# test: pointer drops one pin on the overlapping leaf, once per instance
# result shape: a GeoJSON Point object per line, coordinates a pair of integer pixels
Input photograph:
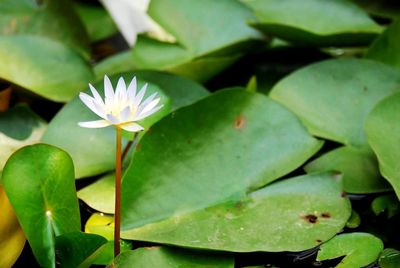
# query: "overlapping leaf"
{"type": "Point", "coordinates": [292, 215]}
{"type": "Point", "coordinates": [333, 104]}
{"type": "Point", "coordinates": [383, 135]}
{"type": "Point", "coordinates": [340, 22]}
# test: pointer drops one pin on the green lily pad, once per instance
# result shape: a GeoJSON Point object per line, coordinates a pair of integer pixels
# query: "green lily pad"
{"type": "Point", "coordinates": [354, 220]}
{"type": "Point", "coordinates": [360, 249]}
{"type": "Point", "coordinates": [93, 150]}
{"type": "Point", "coordinates": [386, 47]}
{"type": "Point", "coordinates": [214, 148]}
{"type": "Point", "coordinates": [340, 22]}
{"type": "Point", "coordinates": [359, 167]}
{"type": "Point", "coordinates": [19, 126]}
{"type": "Point", "coordinates": [164, 257]}
{"type": "Point", "coordinates": [44, 199]}
{"type": "Point", "coordinates": [334, 97]}
{"type": "Point", "coordinates": [52, 19]}
{"type": "Point", "coordinates": [78, 249]}
{"type": "Point", "coordinates": [291, 215]}
{"type": "Point", "coordinates": [390, 258]}
{"type": "Point", "coordinates": [45, 67]}
{"type": "Point", "coordinates": [383, 133]}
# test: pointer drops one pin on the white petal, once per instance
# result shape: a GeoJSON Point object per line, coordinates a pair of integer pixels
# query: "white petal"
{"type": "Point", "coordinates": [125, 114]}
{"type": "Point", "coordinates": [139, 96]}
{"type": "Point", "coordinates": [95, 124]}
{"type": "Point", "coordinates": [114, 120]}
{"type": "Point", "coordinates": [132, 127]}
{"type": "Point", "coordinates": [120, 92]}
{"type": "Point", "coordinates": [89, 102]}
{"type": "Point", "coordinates": [149, 106]}
{"type": "Point", "coordinates": [131, 91]}
{"type": "Point", "coordinates": [147, 101]}
{"type": "Point", "coordinates": [96, 94]}
{"type": "Point", "coordinates": [143, 115]}
{"type": "Point", "coordinates": [108, 91]}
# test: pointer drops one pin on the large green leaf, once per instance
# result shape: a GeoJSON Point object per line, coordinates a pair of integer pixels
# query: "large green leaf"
{"type": "Point", "coordinates": [39, 182]}
{"type": "Point", "coordinates": [359, 167]}
{"type": "Point", "coordinates": [314, 22]}
{"type": "Point", "coordinates": [290, 215]}
{"type": "Point", "coordinates": [334, 97]}
{"type": "Point", "coordinates": [164, 257]}
{"type": "Point", "coordinates": [220, 147]}
{"type": "Point", "coordinates": [197, 25]}
{"type": "Point", "coordinates": [386, 47]}
{"type": "Point", "coordinates": [383, 135]}
{"type": "Point", "coordinates": [19, 126]}
{"type": "Point", "coordinates": [53, 19]}
{"type": "Point", "coordinates": [360, 249]}
{"type": "Point", "coordinates": [93, 150]}
{"type": "Point", "coordinates": [43, 66]}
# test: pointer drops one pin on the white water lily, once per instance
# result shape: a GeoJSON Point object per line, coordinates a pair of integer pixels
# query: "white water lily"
{"type": "Point", "coordinates": [122, 108]}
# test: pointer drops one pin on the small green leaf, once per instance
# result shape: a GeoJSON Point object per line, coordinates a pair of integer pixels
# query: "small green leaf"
{"type": "Point", "coordinates": [314, 22]}
{"type": "Point", "coordinates": [383, 130]}
{"type": "Point", "coordinates": [354, 220]}
{"type": "Point", "coordinates": [43, 66]}
{"type": "Point", "coordinates": [359, 168]}
{"type": "Point", "coordinates": [360, 249]}
{"type": "Point", "coordinates": [164, 257]}
{"type": "Point", "coordinates": [212, 147]}
{"type": "Point", "coordinates": [44, 199]}
{"type": "Point", "coordinates": [334, 97]}
{"type": "Point", "coordinates": [388, 203]}
{"type": "Point", "coordinates": [390, 258]}
{"type": "Point", "coordinates": [291, 215]}
{"type": "Point", "coordinates": [78, 249]}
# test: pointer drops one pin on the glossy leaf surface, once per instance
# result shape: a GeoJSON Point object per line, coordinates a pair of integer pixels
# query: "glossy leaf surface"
{"type": "Point", "coordinates": [39, 182]}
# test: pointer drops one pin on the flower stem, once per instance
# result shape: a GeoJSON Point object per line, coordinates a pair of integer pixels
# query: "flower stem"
{"type": "Point", "coordinates": [117, 216]}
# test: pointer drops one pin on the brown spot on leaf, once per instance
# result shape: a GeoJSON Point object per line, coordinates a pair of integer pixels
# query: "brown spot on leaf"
{"type": "Point", "coordinates": [138, 146]}
{"type": "Point", "coordinates": [240, 122]}
{"type": "Point", "coordinates": [310, 218]}
{"type": "Point", "coordinates": [343, 194]}
{"type": "Point", "coordinates": [325, 215]}
{"type": "Point", "coordinates": [318, 241]}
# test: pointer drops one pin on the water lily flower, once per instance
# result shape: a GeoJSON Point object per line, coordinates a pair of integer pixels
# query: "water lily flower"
{"type": "Point", "coordinates": [122, 108]}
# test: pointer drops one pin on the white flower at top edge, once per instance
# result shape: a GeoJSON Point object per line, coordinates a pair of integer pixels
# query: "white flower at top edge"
{"type": "Point", "coordinates": [121, 108]}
